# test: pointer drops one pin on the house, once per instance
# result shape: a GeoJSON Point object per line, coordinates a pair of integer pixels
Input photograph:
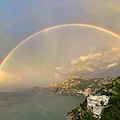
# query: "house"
{"type": "Point", "coordinates": [96, 104]}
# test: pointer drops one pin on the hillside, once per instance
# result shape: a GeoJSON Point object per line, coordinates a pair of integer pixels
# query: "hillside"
{"type": "Point", "coordinates": [111, 112]}
{"type": "Point", "coordinates": [75, 85]}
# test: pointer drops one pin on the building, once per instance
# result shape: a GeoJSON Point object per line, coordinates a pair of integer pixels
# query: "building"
{"type": "Point", "coordinates": [96, 104]}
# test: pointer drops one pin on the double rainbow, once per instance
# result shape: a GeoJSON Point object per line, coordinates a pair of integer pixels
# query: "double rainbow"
{"type": "Point", "coordinates": [54, 27]}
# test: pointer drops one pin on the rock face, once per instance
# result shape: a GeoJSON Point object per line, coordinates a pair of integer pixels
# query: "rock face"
{"type": "Point", "coordinates": [75, 85]}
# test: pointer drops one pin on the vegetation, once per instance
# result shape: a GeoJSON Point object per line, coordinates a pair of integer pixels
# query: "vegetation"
{"type": "Point", "coordinates": [88, 116]}
{"type": "Point", "coordinates": [84, 105]}
{"type": "Point", "coordinates": [112, 112]}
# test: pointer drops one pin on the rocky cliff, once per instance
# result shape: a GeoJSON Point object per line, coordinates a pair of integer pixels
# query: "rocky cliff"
{"type": "Point", "coordinates": [75, 85]}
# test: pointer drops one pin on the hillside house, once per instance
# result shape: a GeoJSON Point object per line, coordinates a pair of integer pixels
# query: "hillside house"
{"type": "Point", "coordinates": [96, 104]}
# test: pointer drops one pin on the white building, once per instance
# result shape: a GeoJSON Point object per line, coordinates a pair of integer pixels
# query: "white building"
{"type": "Point", "coordinates": [96, 104]}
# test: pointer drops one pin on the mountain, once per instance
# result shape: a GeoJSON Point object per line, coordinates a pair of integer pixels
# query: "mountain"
{"type": "Point", "coordinates": [80, 85]}
{"type": "Point", "coordinates": [75, 85]}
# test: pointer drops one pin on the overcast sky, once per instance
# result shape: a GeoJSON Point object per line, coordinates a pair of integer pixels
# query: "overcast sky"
{"type": "Point", "coordinates": [55, 55]}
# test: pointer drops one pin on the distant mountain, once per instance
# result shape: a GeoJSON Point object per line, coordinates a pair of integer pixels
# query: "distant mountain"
{"type": "Point", "coordinates": [75, 85]}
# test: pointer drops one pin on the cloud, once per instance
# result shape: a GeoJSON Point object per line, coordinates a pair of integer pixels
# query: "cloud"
{"type": "Point", "coordinates": [59, 68]}
{"type": "Point", "coordinates": [56, 75]}
{"type": "Point", "coordinates": [91, 63]}
{"type": "Point", "coordinates": [115, 49]}
{"type": "Point", "coordinates": [86, 58]}
{"type": "Point", "coordinates": [109, 66]}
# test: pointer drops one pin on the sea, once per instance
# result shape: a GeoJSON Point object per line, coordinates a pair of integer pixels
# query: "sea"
{"type": "Point", "coordinates": [36, 106]}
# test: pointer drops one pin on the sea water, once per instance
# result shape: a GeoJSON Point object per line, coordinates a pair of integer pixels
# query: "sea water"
{"type": "Point", "coordinates": [36, 106]}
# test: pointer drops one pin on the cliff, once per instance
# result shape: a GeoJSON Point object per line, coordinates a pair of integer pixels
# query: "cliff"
{"type": "Point", "coordinates": [75, 85]}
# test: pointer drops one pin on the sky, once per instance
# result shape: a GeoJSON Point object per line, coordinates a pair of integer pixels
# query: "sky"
{"type": "Point", "coordinates": [56, 54]}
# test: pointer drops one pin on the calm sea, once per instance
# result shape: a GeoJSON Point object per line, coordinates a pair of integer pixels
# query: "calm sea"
{"type": "Point", "coordinates": [36, 106]}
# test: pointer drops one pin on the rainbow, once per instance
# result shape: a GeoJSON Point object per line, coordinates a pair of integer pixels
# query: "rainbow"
{"type": "Point", "coordinates": [54, 27]}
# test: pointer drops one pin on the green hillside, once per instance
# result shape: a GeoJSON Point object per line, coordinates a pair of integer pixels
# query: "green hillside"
{"type": "Point", "coordinates": [112, 112]}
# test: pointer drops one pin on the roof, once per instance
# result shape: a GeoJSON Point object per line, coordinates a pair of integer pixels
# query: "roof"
{"type": "Point", "coordinates": [98, 97]}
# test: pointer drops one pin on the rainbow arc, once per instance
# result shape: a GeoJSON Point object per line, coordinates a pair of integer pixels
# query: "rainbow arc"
{"type": "Point", "coordinates": [54, 27]}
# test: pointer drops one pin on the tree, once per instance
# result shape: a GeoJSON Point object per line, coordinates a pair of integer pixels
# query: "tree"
{"type": "Point", "coordinates": [113, 111]}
